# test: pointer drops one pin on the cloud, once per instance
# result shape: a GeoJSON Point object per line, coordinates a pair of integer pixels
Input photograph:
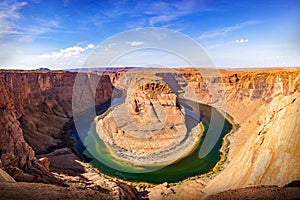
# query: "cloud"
{"type": "Point", "coordinates": [165, 12]}
{"type": "Point", "coordinates": [74, 51]}
{"type": "Point", "coordinates": [241, 41]}
{"type": "Point", "coordinates": [135, 43]}
{"type": "Point", "coordinates": [90, 46]}
{"type": "Point", "coordinates": [164, 18]}
{"type": "Point", "coordinates": [149, 13]}
{"type": "Point", "coordinates": [11, 22]}
{"type": "Point", "coordinates": [9, 14]}
{"type": "Point", "coordinates": [224, 31]}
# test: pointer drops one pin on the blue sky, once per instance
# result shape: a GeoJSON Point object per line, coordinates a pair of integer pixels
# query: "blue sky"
{"type": "Point", "coordinates": [61, 33]}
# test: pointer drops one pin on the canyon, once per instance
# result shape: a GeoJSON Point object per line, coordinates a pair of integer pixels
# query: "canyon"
{"type": "Point", "coordinates": [36, 114]}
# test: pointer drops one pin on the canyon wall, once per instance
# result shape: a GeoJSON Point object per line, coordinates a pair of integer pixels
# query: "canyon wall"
{"type": "Point", "coordinates": [265, 149]}
{"type": "Point", "coordinates": [43, 104]}
{"type": "Point", "coordinates": [17, 157]}
{"type": "Point", "coordinates": [34, 109]}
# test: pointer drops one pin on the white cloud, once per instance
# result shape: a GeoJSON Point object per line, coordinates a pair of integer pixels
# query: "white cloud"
{"type": "Point", "coordinates": [164, 18]}
{"type": "Point", "coordinates": [10, 22]}
{"type": "Point", "coordinates": [163, 12]}
{"type": "Point", "coordinates": [74, 51]}
{"type": "Point", "coordinates": [224, 31]}
{"type": "Point", "coordinates": [9, 14]}
{"type": "Point", "coordinates": [241, 41]}
{"type": "Point", "coordinates": [154, 13]}
{"type": "Point", "coordinates": [135, 43]}
{"type": "Point", "coordinates": [90, 46]}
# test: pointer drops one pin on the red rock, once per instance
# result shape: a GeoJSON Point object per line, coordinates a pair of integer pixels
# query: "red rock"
{"type": "Point", "coordinates": [44, 162]}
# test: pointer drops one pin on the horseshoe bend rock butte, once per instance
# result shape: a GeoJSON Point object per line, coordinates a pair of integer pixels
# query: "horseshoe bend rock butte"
{"type": "Point", "coordinates": [149, 128]}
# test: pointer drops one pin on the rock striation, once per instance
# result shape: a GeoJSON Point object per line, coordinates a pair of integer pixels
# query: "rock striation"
{"type": "Point", "coordinates": [43, 104]}
{"type": "Point", "coordinates": [266, 105]}
{"type": "Point", "coordinates": [16, 156]}
{"type": "Point", "coordinates": [5, 177]}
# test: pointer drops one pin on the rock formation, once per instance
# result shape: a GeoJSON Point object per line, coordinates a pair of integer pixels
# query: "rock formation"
{"type": "Point", "coordinates": [5, 177]}
{"type": "Point", "coordinates": [17, 157]}
{"type": "Point", "coordinates": [149, 127]}
{"type": "Point", "coordinates": [43, 104]}
{"type": "Point", "coordinates": [266, 105]}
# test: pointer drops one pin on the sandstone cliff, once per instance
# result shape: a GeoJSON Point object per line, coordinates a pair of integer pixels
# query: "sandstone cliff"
{"type": "Point", "coordinates": [264, 150]}
{"type": "Point", "coordinates": [43, 104]}
{"type": "Point", "coordinates": [16, 156]}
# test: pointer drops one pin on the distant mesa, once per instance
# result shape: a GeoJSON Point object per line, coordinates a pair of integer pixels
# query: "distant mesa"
{"type": "Point", "coordinates": [43, 69]}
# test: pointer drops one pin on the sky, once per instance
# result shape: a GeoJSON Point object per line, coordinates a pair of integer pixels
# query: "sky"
{"type": "Point", "coordinates": [61, 34]}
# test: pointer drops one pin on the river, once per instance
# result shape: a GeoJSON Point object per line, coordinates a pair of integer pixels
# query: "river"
{"type": "Point", "coordinates": [97, 153]}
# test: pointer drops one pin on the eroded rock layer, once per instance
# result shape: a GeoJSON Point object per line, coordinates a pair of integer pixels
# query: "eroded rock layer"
{"type": "Point", "coordinates": [43, 104]}
{"type": "Point", "coordinates": [16, 156]}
